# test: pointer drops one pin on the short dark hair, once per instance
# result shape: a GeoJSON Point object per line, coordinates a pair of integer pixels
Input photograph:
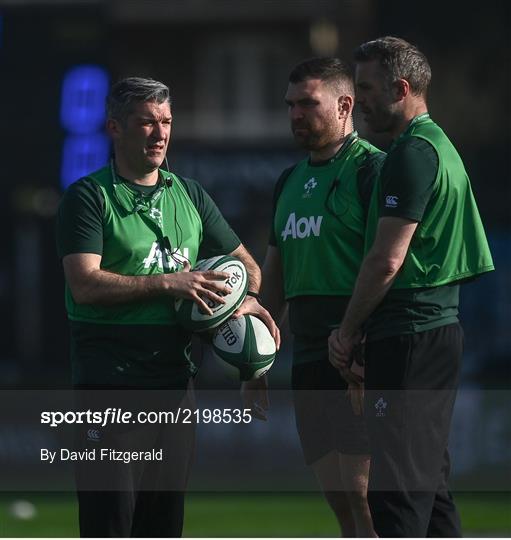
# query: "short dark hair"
{"type": "Point", "coordinates": [399, 59]}
{"type": "Point", "coordinates": [328, 69]}
{"type": "Point", "coordinates": [127, 92]}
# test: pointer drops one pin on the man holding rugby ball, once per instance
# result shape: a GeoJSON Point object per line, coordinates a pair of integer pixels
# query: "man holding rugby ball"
{"type": "Point", "coordinates": [128, 236]}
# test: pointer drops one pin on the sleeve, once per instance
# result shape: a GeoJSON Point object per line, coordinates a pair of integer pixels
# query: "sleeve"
{"type": "Point", "coordinates": [80, 219]}
{"type": "Point", "coordinates": [279, 186]}
{"type": "Point", "coordinates": [367, 175]}
{"type": "Point", "coordinates": [408, 179]}
{"type": "Point", "coordinates": [218, 237]}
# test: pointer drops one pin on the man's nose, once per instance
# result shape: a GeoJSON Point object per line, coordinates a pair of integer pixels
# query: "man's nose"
{"type": "Point", "coordinates": [160, 131]}
{"type": "Point", "coordinates": [295, 113]}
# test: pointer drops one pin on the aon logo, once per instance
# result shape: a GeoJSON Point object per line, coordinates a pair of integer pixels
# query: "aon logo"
{"type": "Point", "coordinates": [164, 258]}
{"type": "Point", "coordinates": [301, 228]}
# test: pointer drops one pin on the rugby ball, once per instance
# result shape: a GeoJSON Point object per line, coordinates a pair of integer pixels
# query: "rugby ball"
{"type": "Point", "coordinates": [244, 347]}
{"type": "Point", "coordinates": [188, 312]}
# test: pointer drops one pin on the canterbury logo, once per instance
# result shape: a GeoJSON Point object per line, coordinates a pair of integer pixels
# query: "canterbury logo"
{"type": "Point", "coordinates": [93, 435]}
{"type": "Point", "coordinates": [391, 201]}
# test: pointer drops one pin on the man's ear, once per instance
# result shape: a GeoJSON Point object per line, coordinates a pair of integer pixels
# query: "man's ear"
{"type": "Point", "coordinates": [401, 89]}
{"type": "Point", "coordinates": [345, 105]}
{"type": "Point", "coordinates": [113, 128]}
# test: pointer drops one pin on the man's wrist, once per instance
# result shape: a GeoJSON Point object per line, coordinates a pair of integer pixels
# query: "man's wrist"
{"type": "Point", "coordinates": [255, 295]}
{"type": "Point", "coordinates": [347, 333]}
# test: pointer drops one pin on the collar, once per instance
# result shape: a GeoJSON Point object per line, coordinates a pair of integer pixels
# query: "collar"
{"type": "Point", "coordinates": [413, 122]}
{"type": "Point", "coordinates": [163, 176]}
{"type": "Point", "coordinates": [416, 120]}
{"type": "Point", "coordinates": [124, 193]}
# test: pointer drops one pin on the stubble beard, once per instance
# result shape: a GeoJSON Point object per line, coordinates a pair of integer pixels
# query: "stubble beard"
{"type": "Point", "coordinates": [317, 139]}
{"type": "Point", "coordinates": [386, 121]}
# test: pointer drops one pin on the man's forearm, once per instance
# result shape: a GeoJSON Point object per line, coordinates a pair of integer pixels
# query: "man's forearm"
{"type": "Point", "coordinates": [254, 275]}
{"type": "Point", "coordinates": [374, 281]}
{"type": "Point", "coordinates": [253, 270]}
{"type": "Point", "coordinates": [106, 288]}
{"type": "Point", "coordinates": [273, 291]}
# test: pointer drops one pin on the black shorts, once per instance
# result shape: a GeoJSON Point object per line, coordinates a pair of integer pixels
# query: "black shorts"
{"type": "Point", "coordinates": [324, 417]}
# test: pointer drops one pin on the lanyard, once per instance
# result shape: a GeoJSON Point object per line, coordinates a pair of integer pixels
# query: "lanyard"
{"type": "Point", "coordinates": [141, 202]}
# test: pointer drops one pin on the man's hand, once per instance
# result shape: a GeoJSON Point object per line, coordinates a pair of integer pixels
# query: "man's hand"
{"type": "Point", "coordinates": [251, 306]}
{"type": "Point", "coordinates": [254, 395]}
{"type": "Point", "coordinates": [340, 348]}
{"type": "Point", "coordinates": [198, 286]}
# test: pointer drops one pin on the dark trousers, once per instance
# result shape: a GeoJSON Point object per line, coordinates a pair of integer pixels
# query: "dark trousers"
{"type": "Point", "coordinates": [140, 498]}
{"type": "Point", "coordinates": [411, 383]}
{"type": "Point", "coordinates": [150, 514]}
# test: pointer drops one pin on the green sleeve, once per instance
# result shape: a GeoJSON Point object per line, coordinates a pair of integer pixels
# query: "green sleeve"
{"type": "Point", "coordinates": [408, 178]}
{"type": "Point", "coordinates": [218, 238]}
{"type": "Point", "coordinates": [80, 219]}
{"type": "Point", "coordinates": [279, 186]}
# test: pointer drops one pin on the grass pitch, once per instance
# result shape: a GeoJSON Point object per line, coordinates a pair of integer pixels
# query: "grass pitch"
{"type": "Point", "coordinates": [246, 515]}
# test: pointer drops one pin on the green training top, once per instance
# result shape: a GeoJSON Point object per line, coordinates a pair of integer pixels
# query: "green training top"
{"type": "Point", "coordinates": [138, 231]}
{"type": "Point", "coordinates": [424, 180]}
{"type": "Point", "coordinates": [319, 227]}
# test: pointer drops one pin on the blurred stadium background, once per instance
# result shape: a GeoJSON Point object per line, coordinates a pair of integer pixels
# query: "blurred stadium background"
{"type": "Point", "coordinates": [227, 63]}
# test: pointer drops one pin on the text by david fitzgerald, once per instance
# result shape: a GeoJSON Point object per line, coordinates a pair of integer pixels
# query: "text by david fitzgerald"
{"type": "Point", "coordinates": [100, 454]}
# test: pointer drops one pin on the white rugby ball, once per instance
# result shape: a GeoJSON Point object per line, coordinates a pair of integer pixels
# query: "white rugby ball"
{"type": "Point", "coordinates": [188, 312]}
{"type": "Point", "coordinates": [244, 347]}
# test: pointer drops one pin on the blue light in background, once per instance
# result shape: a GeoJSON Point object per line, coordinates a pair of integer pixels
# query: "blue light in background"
{"type": "Point", "coordinates": [84, 90]}
{"type": "Point", "coordinates": [82, 114]}
{"type": "Point", "coordinates": [83, 154]}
